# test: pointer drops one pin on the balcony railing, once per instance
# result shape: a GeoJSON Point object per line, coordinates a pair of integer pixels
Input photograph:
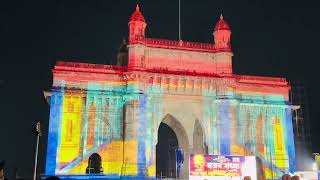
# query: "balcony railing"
{"type": "Point", "coordinates": [172, 44]}
{"type": "Point", "coordinates": [86, 67]}
{"type": "Point", "coordinates": [261, 79]}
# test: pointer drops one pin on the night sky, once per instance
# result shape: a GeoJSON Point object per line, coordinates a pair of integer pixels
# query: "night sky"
{"type": "Point", "coordinates": [269, 38]}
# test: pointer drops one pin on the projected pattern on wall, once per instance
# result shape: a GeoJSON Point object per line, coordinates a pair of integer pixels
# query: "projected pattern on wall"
{"type": "Point", "coordinates": [115, 111]}
{"type": "Point", "coordinates": [83, 122]}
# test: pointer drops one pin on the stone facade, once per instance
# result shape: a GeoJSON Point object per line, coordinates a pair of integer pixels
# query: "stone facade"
{"type": "Point", "coordinates": [116, 111]}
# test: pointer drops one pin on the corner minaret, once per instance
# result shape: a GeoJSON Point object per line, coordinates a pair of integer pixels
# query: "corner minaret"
{"type": "Point", "coordinates": [222, 33]}
{"type": "Point", "coordinates": [137, 26]}
{"type": "Point", "coordinates": [122, 56]}
{"type": "Point", "coordinates": [136, 45]}
{"type": "Point", "coordinates": [223, 57]}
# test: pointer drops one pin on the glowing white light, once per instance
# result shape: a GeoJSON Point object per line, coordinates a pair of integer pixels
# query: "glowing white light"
{"type": "Point", "coordinates": [314, 166]}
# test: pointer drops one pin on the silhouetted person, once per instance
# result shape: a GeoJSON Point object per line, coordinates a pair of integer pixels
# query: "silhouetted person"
{"type": "Point", "coordinates": [286, 177]}
{"type": "Point", "coordinates": [53, 178]}
{"type": "Point", "coordinates": [94, 164]}
{"type": "Point", "coordinates": [2, 176]}
{"type": "Point", "coordinates": [295, 178]}
{"type": "Point", "coordinates": [260, 171]}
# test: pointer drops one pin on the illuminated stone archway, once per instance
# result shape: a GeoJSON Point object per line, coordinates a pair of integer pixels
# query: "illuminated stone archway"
{"type": "Point", "coordinates": [183, 141]}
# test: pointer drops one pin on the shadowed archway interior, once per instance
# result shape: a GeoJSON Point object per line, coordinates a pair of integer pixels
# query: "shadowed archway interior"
{"type": "Point", "coordinates": [165, 152]}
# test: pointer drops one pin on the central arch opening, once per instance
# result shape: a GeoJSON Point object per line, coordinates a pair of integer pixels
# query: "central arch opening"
{"type": "Point", "coordinates": [165, 152]}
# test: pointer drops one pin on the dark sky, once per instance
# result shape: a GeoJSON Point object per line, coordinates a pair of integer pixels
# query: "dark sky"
{"type": "Point", "coordinates": [269, 38]}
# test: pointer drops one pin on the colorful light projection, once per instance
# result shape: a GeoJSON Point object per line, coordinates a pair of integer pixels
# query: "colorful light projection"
{"type": "Point", "coordinates": [92, 121]}
{"type": "Point", "coordinates": [115, 111]}
{"type": "Point", "coordinates": [83, 123]}
{"type": "Point", "coordinates": [257, 129]}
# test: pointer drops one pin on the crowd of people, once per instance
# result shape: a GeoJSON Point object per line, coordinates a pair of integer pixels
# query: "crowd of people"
{"type": "Point", "coordinates": [3, 177]}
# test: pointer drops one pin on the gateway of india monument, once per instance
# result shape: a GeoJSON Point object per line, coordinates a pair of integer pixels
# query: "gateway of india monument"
{"type": "Point", "coordinates": [106, 119]}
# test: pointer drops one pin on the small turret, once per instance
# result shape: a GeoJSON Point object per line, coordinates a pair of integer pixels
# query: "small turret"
{"type": "Point", "coordinates": [137, 26]}
{"type": "Point", "coordinates": [222, 33]}
{"type": "Point", "coordinates": [122, 56]}
{"type": "Point", "coordinates": [223, 57]}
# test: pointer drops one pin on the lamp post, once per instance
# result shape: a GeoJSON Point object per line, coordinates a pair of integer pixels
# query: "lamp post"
{"type": "Point", "coordinates": [38, 131]}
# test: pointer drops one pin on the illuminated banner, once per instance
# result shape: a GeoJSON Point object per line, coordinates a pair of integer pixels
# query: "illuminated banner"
{"type": "Point", "coordinates": [219, 166]}
{"type": "Point", "coordinates": [215, 165]}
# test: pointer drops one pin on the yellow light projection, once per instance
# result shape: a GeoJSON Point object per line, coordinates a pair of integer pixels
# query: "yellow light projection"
{"type": "Point", "coordinates": [70, 131]}
{"type": "Point", "coordinates": [91, 126]}
{"type": "Point", "coordinates": [280, 155]}
{"type": "Point", "coordinates": [130, 158]}
{"type": "Point", "coordinates": [111, 156]}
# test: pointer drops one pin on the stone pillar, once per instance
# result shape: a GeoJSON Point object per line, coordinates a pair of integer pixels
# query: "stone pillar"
{"type": "Point", "coordinates": [141, 134]}
{"type": "Point", "coordinates": [56, 103]}
{"type": "Point", "coordinates": [130, 139]}
{"type": "Point", "coordinates": [83, 122]}
{"type": "Point", "coordinates": [233, 126]}
{"type": "Point", "coordinates": [134, 137]}
{"type": "Point", "coordinates": [184, 174]}
{"type": "Point", "coordinates": [223, 119]}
